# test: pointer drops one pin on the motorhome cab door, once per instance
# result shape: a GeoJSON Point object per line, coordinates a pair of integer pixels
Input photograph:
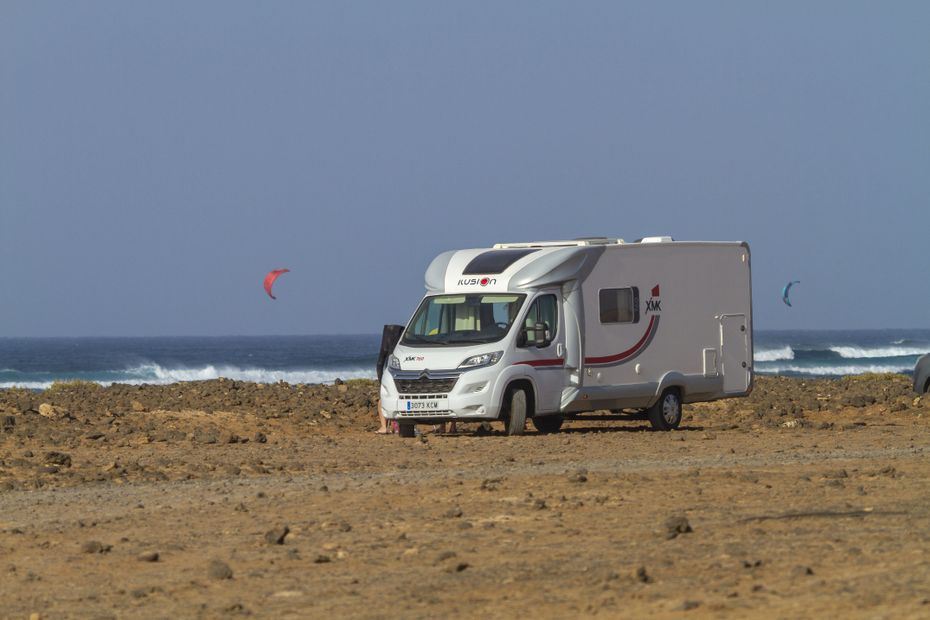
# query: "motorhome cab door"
{"type": "Point", "coordinates": [547, 360]}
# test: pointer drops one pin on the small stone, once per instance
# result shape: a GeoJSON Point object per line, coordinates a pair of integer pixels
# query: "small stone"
{"type": "Point", "coordinates": [580, 475]}
{"type": "Point", "coordinates": [445, 555]}
{"type": "Point", "coordinates": [57, 458]}
{"type": "Point", "coordinates": [277, 535]}
{"type": "Point", "coordinates": [322, 559]}
{"type": "Point", "coordinates": [148, 556]}
{"type": "Point", "coordinates": [259, 438]}
{"type": "Point", "coordinates": [95, 546]}
{"type": "Point", "coordinates": [218, 569]}
{"type": "Point", "coordinates": [689, 605]}
{"type": "Point", "coordinates": [137, 406]}
{"type": "Point", "coordinates": [642, 575]}
{"type": "Point", "coordinates": [676, 525]}
{"type": "Point", "coordinates": [539, 504]}
{"type": "Point", "coordinates": [453, 513]}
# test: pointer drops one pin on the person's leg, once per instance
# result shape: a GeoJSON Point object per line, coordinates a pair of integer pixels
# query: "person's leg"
{"type": "Point", "coordinates": [383, 429]}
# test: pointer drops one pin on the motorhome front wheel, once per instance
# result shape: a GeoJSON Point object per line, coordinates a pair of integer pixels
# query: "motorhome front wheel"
{"type": "Point", "coordinates": [515, 419]}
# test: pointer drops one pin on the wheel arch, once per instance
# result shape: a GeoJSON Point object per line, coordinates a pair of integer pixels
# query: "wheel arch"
{"type": "Point", "coordinates": [671, 379]}
{"type": "Point", "coordinates": [528, 386]}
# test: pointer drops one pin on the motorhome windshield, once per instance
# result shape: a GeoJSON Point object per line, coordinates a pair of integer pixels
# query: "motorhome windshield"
{"type": "Point", "coordinates": [457, 320]}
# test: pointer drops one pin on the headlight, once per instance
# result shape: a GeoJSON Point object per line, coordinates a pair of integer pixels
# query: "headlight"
{"type": "Point", "coordinates": [394, 363]}
{"type": "Point", "coordinates": [485, 359]}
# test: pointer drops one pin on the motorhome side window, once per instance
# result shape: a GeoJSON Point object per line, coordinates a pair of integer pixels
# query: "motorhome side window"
{"type": "Point", "coordinates": [544, 310]}
{"type": "Point", "coordinates": [619, 305]}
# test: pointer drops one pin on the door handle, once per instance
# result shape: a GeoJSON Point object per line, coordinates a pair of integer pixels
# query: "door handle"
{"type": "Point", "coordinates": [559, 350]}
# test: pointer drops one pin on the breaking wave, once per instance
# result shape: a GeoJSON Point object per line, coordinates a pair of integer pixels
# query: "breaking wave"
{"type": "Point", "coordinates": [834, 371]}
{"type": "Point", "coordinates": [774, 355]}
{"type": "Point", "coordinates": [161, 375]}
{"type": "Point", "coordinates": [862, 353]}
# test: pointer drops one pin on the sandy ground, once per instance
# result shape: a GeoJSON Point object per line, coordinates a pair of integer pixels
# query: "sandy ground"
{"type": "Point", "coordinates": [808, 499]}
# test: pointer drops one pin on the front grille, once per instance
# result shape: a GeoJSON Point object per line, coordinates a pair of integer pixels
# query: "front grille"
{"type": "Point", "coordinates": [440, 413]}
{"type": "Point", "coordinates": [425, 386]}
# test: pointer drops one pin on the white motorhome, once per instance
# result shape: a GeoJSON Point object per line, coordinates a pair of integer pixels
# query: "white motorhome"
{"type": "Point", "coordinates": [547, 330]}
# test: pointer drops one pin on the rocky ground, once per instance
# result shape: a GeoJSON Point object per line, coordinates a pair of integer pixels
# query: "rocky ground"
{"type": "Point", "coordinates": [222, 498]}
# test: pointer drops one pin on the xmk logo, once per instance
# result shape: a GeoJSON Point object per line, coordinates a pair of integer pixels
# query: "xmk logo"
{"type": "Point", "coordinates": [485, 281]}
{"type": "Point", "coordinates": [654, 304]}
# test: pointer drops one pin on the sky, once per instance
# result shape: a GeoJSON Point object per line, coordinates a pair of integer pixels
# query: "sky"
{"type": "Point", "coordinates": [158, 158]}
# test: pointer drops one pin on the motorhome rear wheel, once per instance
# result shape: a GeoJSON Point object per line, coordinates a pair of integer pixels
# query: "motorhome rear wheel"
{"type": "Point", "coordinates": [548, 423]}
{"type": "Point", "coordinates": [665, 415]}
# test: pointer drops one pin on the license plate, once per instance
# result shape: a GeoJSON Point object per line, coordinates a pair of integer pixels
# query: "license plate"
{"type": "Point", "coordinates": [425, 405]}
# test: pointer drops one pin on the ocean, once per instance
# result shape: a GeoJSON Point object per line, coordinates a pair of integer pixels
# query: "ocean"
{"type": "Point", "coordinates": [35, 363]}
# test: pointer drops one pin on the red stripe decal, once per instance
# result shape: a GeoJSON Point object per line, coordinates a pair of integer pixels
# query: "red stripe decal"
{"type": "Point", "coordinates": [607, 359]}
{"type": "Point", "coordinates": [555, 362]}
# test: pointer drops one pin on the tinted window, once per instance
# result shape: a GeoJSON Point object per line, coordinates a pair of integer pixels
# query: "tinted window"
{"type": "Point", "coordinates": [619, 305]}
{"type": "Point", "coordinates": [495, 261]}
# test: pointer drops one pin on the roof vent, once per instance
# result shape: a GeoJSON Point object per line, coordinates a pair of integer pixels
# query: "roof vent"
{"type": "Point", "coordinates": [655, 240]}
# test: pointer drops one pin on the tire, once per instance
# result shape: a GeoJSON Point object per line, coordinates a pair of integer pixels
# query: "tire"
{"type": "Point", "coordinates": [665, 415]}
{"type": "Point", "coordinates": [406, 429]}
{"type": "Point", "coordinates": [548, 423]}
{"type": "Point", "coordinates": [515, 420]}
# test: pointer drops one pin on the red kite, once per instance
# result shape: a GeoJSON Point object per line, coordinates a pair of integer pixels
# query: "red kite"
{"type": "Point", "coordinates": [270, 278]}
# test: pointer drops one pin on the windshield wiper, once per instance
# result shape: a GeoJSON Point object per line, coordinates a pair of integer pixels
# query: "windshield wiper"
{"type": "Point", "coordinates": [417, 340]}
{"type": "Point", "coordinates": [466, 341]}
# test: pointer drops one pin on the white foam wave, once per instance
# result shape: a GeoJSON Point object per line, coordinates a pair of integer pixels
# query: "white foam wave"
{"type": "Point", "coordinates": [28, 385]}
{"type": "Point", "coordinates": [831, 371]}
{"type": "Point", "coordinates": [160, 375]}
{"type": "Point", "coordinates": [774, 355]}
{"type": "Point", "coordinates": [861, 353]}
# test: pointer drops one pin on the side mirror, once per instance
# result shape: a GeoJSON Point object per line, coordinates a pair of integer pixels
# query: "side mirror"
{"type": "Point", "coordinates": [536, 336]}
{"type": "Point", "coordinates": [542, 335]}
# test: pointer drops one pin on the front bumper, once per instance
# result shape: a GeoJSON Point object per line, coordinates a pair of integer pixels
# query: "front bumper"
{"type": "Point", "coordinates": [429, 396]}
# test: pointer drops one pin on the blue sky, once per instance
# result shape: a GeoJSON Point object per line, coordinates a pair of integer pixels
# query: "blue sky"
{"type": "Point", "coordinates": [157, 159]}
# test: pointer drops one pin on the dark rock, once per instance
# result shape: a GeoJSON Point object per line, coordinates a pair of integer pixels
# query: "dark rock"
{"type": "Point", "coordinates": [218, 569]}
{"type": "Point", "coordinates": [322, 559]}
{"type": "Point", "coordinates": [453, 513]}
{"type": "Point", "coordinates": [95, 546]}
{"type": "Point", "coordinates": [579, 476]}
{"type": "Point", "coordinates": [642, 575]}
{"type": "Point", "coordinates": [277, 535]}
{"type": "Point", "coordinates": [260, 437]}
{"type": "Point", "coordinates": [57, 458]}
{"type": "Point", "coordinates": [675, 526]}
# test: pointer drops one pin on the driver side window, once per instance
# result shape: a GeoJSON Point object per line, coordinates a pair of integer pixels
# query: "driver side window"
{"type": "Point", "coordinates": [545, 309]}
